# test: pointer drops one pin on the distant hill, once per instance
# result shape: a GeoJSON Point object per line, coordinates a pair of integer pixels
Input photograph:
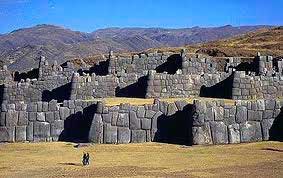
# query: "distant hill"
{"type": "Point", "coordinates": [21, 48]}
{"type": "Point", "coordinates": [266, 41]}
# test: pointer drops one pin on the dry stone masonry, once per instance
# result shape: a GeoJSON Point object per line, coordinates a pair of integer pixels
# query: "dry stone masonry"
{"type": "Point", "coordinates": [62, 102]}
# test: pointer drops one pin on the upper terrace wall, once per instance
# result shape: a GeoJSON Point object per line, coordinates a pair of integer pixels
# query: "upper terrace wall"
{"type": "Point", "coordinates": [139, 64]}
{"type": "Point", "coordinates": [53, 87]}
{"type": "Point", "coordinates": [89, 87]}
{"type": "Point", "coordinates": [256, 87]}
{"type": "Point", "coordinates": [5, 75]}
{"type": "Point", "coordinates": [180, 85]}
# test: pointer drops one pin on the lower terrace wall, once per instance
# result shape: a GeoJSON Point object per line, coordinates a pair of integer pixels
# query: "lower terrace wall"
{"type": "Point", "coordinates": [203, 122]}
{"type": "Point", "coordinates": [256, 87]}
{"type": "Point", "coordinates": [46, 121]}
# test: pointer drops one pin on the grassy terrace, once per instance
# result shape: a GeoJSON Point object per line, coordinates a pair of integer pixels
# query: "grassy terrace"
{"type": "Point", "coordinates": [141, 101]}
{"type": "Point", "coordinates": [264, 159]}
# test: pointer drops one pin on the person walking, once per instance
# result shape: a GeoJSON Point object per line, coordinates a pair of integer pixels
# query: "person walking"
{"type": "Point", "coordinates": [87, 158]}
{"type": "Point", "coordinates": [84, 159]}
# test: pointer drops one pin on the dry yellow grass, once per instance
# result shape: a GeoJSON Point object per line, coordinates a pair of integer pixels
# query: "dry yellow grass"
{"type": "Point", "coordinates": [141, 101]}
{"type": "Point", "coordinates": [142, 160]}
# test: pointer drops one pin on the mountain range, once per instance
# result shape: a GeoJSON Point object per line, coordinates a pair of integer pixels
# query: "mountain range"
{"type": "Point", "coordinates": [20, 49]}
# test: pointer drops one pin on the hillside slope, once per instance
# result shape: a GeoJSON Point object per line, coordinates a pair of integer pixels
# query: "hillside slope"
{"type": "Point", "coordinates": [266, 41]}
{"type": "Point", "coordinates": [21, 48]}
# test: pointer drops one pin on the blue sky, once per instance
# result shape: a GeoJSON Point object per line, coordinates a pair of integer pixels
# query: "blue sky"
{"type": "Point", "coordinates": [89, 15]}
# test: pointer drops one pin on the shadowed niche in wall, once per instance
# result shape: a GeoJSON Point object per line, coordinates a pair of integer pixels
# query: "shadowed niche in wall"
{"type": "Point", "coordinates": [77, 126]}
{"type": "Point", "coordinates": [100, 69]}
{"type": "Point", "coordinates": [34, 73]}
{"type": "Point", "coordinates": [276, 130]}
{"type": "Point", "coordinates": [222, 89]}
{"type": "Point", "coordinates": [175, 129]}
{"type": "Point", "coordinates": [246, 66]}
{"type": "Point", "coordinates": [135, 90]}
{"type": "Point", "coordinates": [173, 63]}
{"type": "Point", "coordinates": [60, 94]}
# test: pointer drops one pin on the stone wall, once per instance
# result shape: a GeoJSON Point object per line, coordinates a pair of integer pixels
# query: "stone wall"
{"type": "Point", "coordinates": [90, 87]}
{"type": "Point", "coordinates": [161, 121]}
{"type": "Point", "coordinates": [181, 85]}
{"type": "Point", "coordinates": [138, 64]}
{"type": "Point", "coordinates": [5, 75]}
{"type": "Point", "coordinates": [239, 122]}
{"type": "Point", "coordinates": [34, 90]}
{"type": "Point", "coordinates": [204, 122]}
{"type": "Point", "coordinates": [199, 65]}
{"type": "Point", "coordinates": [256, 87]}
{"type": "Point", "coordinates": [45, 121]}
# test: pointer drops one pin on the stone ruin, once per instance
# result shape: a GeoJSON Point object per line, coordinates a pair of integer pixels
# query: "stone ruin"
{"type": "Point", "coordinates": [63, 103]}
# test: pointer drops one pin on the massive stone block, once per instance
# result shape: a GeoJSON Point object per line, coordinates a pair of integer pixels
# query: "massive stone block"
{"type": "Point", "coordinates": [23, 118]}
{"type": "Point", "coordinates": [145, 123]}
{"type": "Point", "coordinates": [241, 114]}
{"type": "Point", "coordinates": [250, 131]}
{"type": "Point", "coordinates": [171, 109]}
{"type": "Point", "coordinates": [40, 116]}
{"type": "Point", "coordinates": [2, 119]}
{"type": "Point", "coordinates": [114, 118]}
{"type": "Point", "coordinates": [7, 134]}
{"type": "Point", "coordinates": [135, 123]}
{"type": "Point", "coordinates": [11, 118]}
{"type": "Point", "coordinates": [149, 114]}
{"type": "Point", "coordinates": [32, 116]}
{"type": "Point", "coordinates": [219, 133]}
{"type": "Point", "coordinates": [234, 133]}
{"type": "Point", "coordinates": [107, 117]}
{"type": "Point", "coordinates": [21, 134]}
{"type": "Point", "coordinates": [138, 136]}
{"type": "Point", "coordinates": [123, 120]}
{"type": "Point", "coordinates": [266, 125]}
{"type": "Point", "coordinates": [154, 120]}
{"type": "Point", "coordinates": [201, 135]}
{"type": "Point", "coordinates": [49, 117]}
{"type": "Point", "coordinates": [141, 112]}
{"type": "Point", "coordinates": [41, 131]}
{"type": "Point", "coordinates": [30, 131]}
{"type": "Point", "coordinates": [96, 129]}
{"type": "Point", "coordinates": [124, 135]}
{"type": "Point", "coordinates": [110, 133]}
{"type": "Point", "coordinates": [64, 113]}
{"type": "Point", "coordinates": [57, 128]}
{"type": "Point", "coordinates": [219, 114]}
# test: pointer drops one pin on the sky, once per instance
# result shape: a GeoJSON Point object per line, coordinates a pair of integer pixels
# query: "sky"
{"type": "Point", "coordinates": [89, 15]}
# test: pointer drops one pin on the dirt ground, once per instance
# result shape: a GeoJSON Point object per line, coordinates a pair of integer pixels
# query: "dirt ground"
{"type": "Point", "coordinates": [264, 159]}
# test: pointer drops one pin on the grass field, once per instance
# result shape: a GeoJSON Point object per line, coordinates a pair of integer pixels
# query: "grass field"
{"type": "Point", "coordinates": [141, 101]}
{"type": "Point", "coordinates": [264, 159]}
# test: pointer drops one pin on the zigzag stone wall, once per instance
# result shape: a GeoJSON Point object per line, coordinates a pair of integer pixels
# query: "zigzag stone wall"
{"type": "Point", "coordinates": [204, 122]}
